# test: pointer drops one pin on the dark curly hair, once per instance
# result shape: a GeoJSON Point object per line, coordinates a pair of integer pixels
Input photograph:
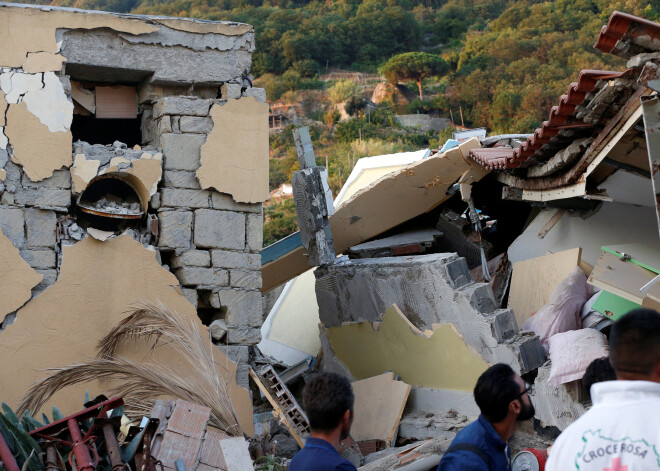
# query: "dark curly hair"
{"type": "Point", "coordinates": [326, 398]}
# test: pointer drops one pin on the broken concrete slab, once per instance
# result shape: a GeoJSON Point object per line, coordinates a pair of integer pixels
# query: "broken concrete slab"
{"type": "Point", "coordinates": [397, 345]}
{"type": "Point", "coordinates": [423, 425]}
{"type": "Point", "coordinates": [556, 406]}
{"type": "Point", "coordinates": [393, 199]}
{"type": "Point", "coordinates": [16, 277]}
{"type": "Point", "coordinates": [121, 267]}
{"type": "Point", "coordinates": [240, 128]}
{"type": "Point", "coordinates": [412, 242]}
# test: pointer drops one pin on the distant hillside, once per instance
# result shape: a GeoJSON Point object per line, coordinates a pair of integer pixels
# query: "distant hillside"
{"type": "Point", "coordinates": [510, 60]}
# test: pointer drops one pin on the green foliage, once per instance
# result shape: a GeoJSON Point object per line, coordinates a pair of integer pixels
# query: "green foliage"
{"type": "Point", "coordinates": [280, 221]}
{"type": "Point", "coordinates": [414, 66]}
{"type": "Point", "coordinates": [332, 117]}
{"type": "Point", "coordinates": [268, 463]}
{"type": "Point", "coordinates": [352, 129]}
{"type": "Point", "coordinates": [342, 90]}
{"type": "Point", "coordinates": [355, 105]}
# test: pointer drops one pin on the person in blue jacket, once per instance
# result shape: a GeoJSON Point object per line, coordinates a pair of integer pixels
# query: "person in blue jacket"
{"type": "Point", "coordinates": [328, 402]}
{"type": "Point", "coordinates": [502, 397]}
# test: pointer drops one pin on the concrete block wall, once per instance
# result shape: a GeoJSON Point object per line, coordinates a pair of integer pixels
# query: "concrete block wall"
{"type": "Point", "coordinates": [212, 243]}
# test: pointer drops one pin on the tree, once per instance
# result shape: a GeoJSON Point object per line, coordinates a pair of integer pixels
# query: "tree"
{"type": "Point", "coordinates": [414, 66]}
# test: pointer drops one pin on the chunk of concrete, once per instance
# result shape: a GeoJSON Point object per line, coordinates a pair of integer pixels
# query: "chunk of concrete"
{"type": "Point", "coordinates": [182, 151]}
{"type": "Point", "coordinates": [243, 307]}
{"type": "Point", "coordinates": [195, 124]}
{"type": "Point", "coordinates": [41, 258]}
{"type": "Point", "coordinates": [200, 276]}
{"type": "Point", "coordinates": [218, 329]}
{"type": "Point", "coordinates": [182, 106]}
{"type": "Point", "coordinates": [178, 198]}
{"type": "Point", "coordinates": [244, 335]}
{"type": "Point", "coordinates": [230, 91]}
{"type": "Point", "coordinates": [41, 226]}
{"type": "Point", "coordinates": [247, 279]}
{"type": "Point", "coordinates": [219, 229]}
{"type": "Point", "coordinates": [255, 232]}
{"type": "Point", "coordinates": [191, 258]}
{"type": "Point", "coordinates": [258, 93]}
{"type": "Point", "coordinates": [175, 229]}
{"type": "Point", "coordinates": [59, 179]}
{"type": "Point", "coordinates": [227, 259]}
{"type": "Point", "coordinates": [181, 179]}
{"type": "Point", "coordinates": [44, 198]}
{"type": "Point", "coordinates": [226, 202]}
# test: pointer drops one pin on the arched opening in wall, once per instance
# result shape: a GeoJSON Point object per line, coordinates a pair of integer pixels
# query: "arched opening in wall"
{"type": "Point", "coordinates": [112, 202]}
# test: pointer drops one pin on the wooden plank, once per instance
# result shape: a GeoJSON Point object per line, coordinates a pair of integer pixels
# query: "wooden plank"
{"type": "Point", "coordinates": [534, 280]}
{"type": "Point", "coordinates": [278, 411]}
{"type": "Point", "coordinates": [379, 403]}
{"type": "Point", "coordinates": [623, 278]}
{"type": "Point", "coordinates": [393, 199]}
{"type": "Point", "coordinates": [551, 223]}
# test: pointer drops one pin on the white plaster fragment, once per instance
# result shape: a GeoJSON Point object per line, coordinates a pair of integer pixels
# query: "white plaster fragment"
{"type": "Point", "coordinates": [51, 104]}
{"type": "Point", "coordinates": [17, 85]}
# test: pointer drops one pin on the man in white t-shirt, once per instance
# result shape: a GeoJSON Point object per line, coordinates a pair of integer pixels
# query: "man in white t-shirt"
{"type": "Point", "coordinates": [621, 432]}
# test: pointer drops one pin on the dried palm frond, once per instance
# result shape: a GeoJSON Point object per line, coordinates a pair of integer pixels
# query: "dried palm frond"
{"type": "Point", "coordinates": [141, 384]}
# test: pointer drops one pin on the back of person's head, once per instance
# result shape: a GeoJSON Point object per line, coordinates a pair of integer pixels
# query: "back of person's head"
{"type": "Point", "coordinates": [635, 343]}
{"type": "Point", "coordinates": [495, 389]}
{"type": "Point", "coordinates": [326, 398]}
{"type": "Point", "coordinates": [598, 371]}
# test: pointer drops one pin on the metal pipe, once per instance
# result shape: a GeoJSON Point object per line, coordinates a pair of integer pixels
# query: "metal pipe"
{"type": "Point", "coordinates": [112, 445]}
{"type": "Point", "coordinates": [52, 463]}
{"type": "Point", "coordinates": [79, 448]}
{"type": "Point", "coordinates": [7, 457]}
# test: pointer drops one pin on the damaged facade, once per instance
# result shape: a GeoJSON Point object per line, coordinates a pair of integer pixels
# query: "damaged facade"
{"type": "Point", "coordinates": [133, 167]}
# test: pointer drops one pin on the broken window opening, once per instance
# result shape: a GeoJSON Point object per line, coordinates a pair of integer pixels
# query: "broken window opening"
{"type": "Point", "coordinates": [106, 131]}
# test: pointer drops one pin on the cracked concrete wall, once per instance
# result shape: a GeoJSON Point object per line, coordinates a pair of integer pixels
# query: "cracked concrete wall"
{"type": "Point", "coordinates": [209, 238]}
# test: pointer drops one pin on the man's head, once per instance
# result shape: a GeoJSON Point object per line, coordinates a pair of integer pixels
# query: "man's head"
{"type": "Point", "coordinates": [635, 346]}
{"type": "Point", "coordinates": [598, 370]}
{"type": "Point", "coordinates": [328, 402]}
{"type": "Point", "coordinates": [502, 394]}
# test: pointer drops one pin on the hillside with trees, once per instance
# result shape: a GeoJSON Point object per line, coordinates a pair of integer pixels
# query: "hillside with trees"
{"type": "Point", "coordinates": [501, 64]}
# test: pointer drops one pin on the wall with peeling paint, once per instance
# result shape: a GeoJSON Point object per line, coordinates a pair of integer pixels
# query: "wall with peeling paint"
{"type": "Point", "coordinates": [182, 80]}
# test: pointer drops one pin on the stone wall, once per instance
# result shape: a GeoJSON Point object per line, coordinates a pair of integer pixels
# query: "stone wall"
{"type": "Point", "coordinates": [210, 237]}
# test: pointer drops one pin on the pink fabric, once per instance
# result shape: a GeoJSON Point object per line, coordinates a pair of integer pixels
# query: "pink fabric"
{"type": "Point", "coordinates": [572, 352]}
{"type": "Point", "coordinates": [562, 313]}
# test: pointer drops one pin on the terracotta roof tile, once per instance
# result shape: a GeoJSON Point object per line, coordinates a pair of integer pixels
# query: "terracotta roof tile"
{"type": "Point", "coordinates": [622, 25]}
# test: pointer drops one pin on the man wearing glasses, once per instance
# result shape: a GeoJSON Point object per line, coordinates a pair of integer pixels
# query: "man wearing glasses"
{"type": "Point", "coordinates": [502, 397]}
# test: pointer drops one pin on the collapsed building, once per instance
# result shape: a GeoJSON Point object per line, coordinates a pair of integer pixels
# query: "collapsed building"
{"type": "Point", "coordinates": [520, 249]}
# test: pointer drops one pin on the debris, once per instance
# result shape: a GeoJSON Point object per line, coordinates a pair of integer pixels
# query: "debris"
{"type": "Point", "coordinates": [379, 403]}
{"type": "Point", "coordinates": [407, 243]}
{"type": "Point", "coordinates": [534, 280]}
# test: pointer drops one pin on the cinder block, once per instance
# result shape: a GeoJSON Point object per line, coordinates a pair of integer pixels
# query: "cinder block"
{"type": "Point", "coordinates": [176, 198]}
{"type": "Point", "coordinates": [49, 278]}
{"type": "Point", "coordinates": [41, 226]}
{"type": "Point", "coordinates": [255, 232]}
{"type": "Point", "coordinates": [230, 91]}
{"type": "Point", "coordinates": [42, 258]}
{"type": "Point", "coordinates": [226, 202]}
{"type": "Point", "coordinates": [244, 335]}
{"type": "Point", "coordinates": [175, 229]}
{"type": "Point", "coordinates": [181, 179]}
{"type": "Point", "coordinates": [244, 308]}
{"type": "Point", "coordinates": [45, 198]}
{"type": "Point", "coordinates": [181, 151]}
{"type": "Point", "coordinates": [504, 324]}
{"type": "Point", "coordinates": [219, 229]}
{"type": "Point", "coordinates": [241, 356]}
{"type": "Point", "coordinates": [182, 105]}
{"type": "Point", "coordinates": [458, 273]}
{"type": "Point", "coordinates": [199, 276]}
{"type": "Point", "coordinates": [258, 93]}
{"type": "Point", "coordinates": [195, 124]}
{"type": "Point", "coordinates": [192, 258]}
{"type": "Point", "coordinates": [190, 295]}
{"type": "Point", "coordinates": [532, 355]}
{"type": "Point", "coordinates": [59, 179]}
{"type": "Point", "coordinates": [245, 279]}
{"type": "Point", "coordinates": [12, 224]}
{"type": "Point", "coordinates": [226, 259]}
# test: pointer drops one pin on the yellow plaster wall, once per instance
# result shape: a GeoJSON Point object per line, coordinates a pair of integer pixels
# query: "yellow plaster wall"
{"type": "Point", "coordinates": [433, 359]}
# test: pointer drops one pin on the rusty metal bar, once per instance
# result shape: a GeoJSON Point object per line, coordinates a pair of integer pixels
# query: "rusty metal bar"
{"type": "Point", "coordinates": [112, 445]}
{"type": "Point", "coordinates": [80, 451]}
{"type": "Point", "coordinates": [52, 463]}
